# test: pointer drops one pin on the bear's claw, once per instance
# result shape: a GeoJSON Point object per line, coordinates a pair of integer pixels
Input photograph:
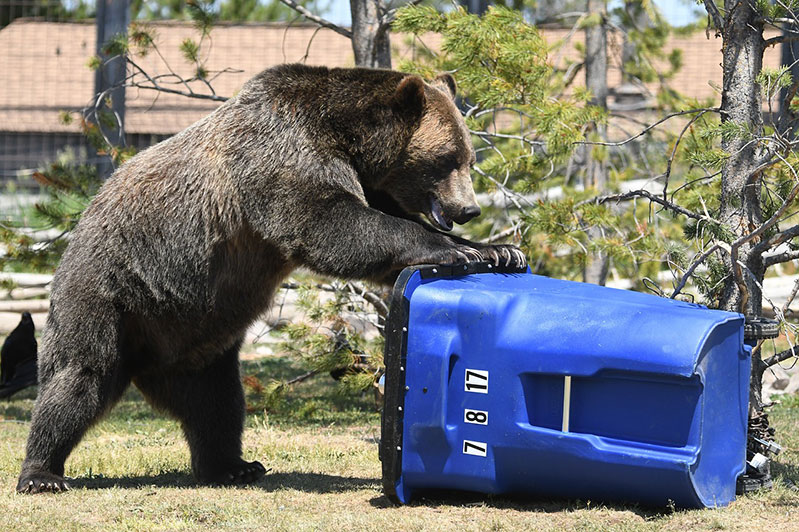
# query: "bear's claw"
{"type": "Point", "coordinates": [466, 254]}
{"type": "Point", "coordinates": [241, 473]}
{"type": "Point", "coordinates": [42, 483]}
{"type": "Point", "coordinates": [251, 472]}
{"type": "Point", "coordinates": [504, 254]}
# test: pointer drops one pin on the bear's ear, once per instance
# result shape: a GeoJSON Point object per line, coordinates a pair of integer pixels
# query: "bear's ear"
{"type": "Point", "coordinates": [409, 93]}
{"type": "Point", "coordinates": [446, 83]}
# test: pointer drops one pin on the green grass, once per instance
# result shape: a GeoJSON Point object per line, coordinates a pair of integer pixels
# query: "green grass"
{"type": "Point", "coordinates": [131, 472]}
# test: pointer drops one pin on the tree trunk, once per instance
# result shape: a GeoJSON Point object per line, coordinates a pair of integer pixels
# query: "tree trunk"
{"type": "Point", "coordinates": [478, 7]}
{"type": "Point", "coordinates": [790, 58]}
{"type": "Point", "coordinates": [741, 104]}
{"type": "Point", "coordinates": [112, 18]}
{"type": "Point", "coordinates": [596, 171]}
{"type": "Point", "coordinates": [370, 40]}
{"type": "Point", "coordinates": [639, 20]}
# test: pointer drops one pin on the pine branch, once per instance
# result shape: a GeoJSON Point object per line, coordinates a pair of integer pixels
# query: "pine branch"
{"type": "Point", "coordinates": [391, 14]}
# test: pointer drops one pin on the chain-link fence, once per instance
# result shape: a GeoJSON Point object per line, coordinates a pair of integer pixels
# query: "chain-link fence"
{"type": "Point", "coordinates": [45, 52]}
{"type": "Point", "coordinates": [38, 79]}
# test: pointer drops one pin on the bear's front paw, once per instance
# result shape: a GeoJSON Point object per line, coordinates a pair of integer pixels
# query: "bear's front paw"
{"type": "Point", "coordinates": [239, 473]}
{"type": "Point", "coordinates": [458, 254]}
{"type": "Point", "coordinates": [41, 482]}
{"type": "Point", "coordinates": [505, 255]}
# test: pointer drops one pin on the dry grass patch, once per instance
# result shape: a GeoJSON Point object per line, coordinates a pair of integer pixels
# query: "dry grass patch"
{"type": "Point", "coordinates": [131, 473]}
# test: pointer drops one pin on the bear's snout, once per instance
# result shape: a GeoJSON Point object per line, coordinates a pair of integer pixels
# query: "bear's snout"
{"type": "Point", "coordinates": [467, 213]}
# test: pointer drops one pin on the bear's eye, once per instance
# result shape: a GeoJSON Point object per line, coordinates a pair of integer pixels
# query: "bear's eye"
{"type": "Point", "coordinates": [449, 162]}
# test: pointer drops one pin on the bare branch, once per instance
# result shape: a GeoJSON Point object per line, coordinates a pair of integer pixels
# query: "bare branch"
{"type": "Point", "coordinates": [777, 239]}
{"type": "Point", "coordinates": [670, 162]}
{"type": "Point", "coordinates": [560, 44]}
{"type": "Point", "coordinates": [774, 218]}
{"type": "Point", "coordinates": [779, 39]}
{"type": "Point", "coordinates": [715, 14]}
{"type": "Point", "coordinates": [791, 297]}
{"type": "Point", "coordinates": [300, 378]}
{"type": "Point", "coordinates": [520, 138]}
{"type": "Point", "coordinates": [768, 223]}
{"type": "Point", "coordinates": [570, 75]}
{"type": "Point", "coordinates": [779, 357]}
{"type": "Point", "coordinates": [310, 42]}
{"type": "Point", "coordinates": [375, 300]}
{"type": "Point", "coordinates": [779, 258]}
{"type": "Point", "coordinates": [651, 197]}
{"type": "Point", "coordinates": [690, 271]}
{"type": "Point", "coordinates": [161, 88]}
{"type": "Point", "coordinates": [502, 234]}
{"type": "Point", "coordinates": [652, 126]}
{"type": "Point", "coordinates": [317, 19]}
{"type": "Point", "coordinates": [155, 85]}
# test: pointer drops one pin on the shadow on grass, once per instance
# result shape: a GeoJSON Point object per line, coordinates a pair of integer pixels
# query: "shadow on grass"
{"type": "Point", "coordinates": [306, 482]}
{"type": "Point", "coordinates": [162, 480]}
{"type": "Point", "coordinates": [316, 483]}
{"type": "Point", "coordinates": [788, 472]}
{"type": "Point", "coordinates": [443, 498]}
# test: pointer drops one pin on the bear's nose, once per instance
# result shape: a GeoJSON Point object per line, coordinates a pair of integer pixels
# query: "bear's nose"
{"type": "Point", "coordinates": [467, 213]}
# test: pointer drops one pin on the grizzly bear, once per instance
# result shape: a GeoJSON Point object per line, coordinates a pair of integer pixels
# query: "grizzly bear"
{"type": "Point", "coordinates": [183, 247]}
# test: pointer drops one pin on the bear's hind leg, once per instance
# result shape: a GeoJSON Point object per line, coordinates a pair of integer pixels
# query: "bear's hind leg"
{"type": "Point", "coordinates": [77, 384]}
{"type": "Point", "coordinates": [209, 404]}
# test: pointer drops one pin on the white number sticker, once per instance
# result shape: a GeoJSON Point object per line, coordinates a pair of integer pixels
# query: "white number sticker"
{"type": "Point", "coordinates": [476, 381]}
{"type": "Point", "coordinates": [476, 448]}
{"type": "Point", "coordinates": [478, 417]}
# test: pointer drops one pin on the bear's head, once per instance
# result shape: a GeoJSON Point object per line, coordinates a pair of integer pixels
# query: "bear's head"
{"type": "Point", "coordinates": [432, 175]}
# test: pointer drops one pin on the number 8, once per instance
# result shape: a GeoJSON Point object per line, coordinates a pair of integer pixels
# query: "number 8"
{"type": "Point", "coordinates": [478, 417]}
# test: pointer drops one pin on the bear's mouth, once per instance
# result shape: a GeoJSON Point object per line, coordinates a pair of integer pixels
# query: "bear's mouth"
{"type": "Point", "coordinates": [437, 215]}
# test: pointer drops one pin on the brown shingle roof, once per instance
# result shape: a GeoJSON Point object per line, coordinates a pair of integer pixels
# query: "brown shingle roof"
{"type": "Point", "coordinates": [43, 68]}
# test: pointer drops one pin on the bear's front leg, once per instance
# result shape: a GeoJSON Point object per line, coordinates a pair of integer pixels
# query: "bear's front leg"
{"type": "Point", "coordinates": [349, 239]}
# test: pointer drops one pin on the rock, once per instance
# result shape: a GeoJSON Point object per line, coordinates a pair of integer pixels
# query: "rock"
{"type": "Point", "coordinates": [778, 380]}
{"type": "Point", "coordinates": [780, 384]}
{"type": "Point", "coordinates": [793, 385]}
{"type": "Point", "coordinates": [9, 320]}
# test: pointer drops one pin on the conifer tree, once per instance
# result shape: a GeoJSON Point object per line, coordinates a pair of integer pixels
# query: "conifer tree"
{"type": "Point", "coordinates": [724, 205]}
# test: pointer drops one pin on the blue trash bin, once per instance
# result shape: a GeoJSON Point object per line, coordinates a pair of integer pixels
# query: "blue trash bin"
{"type": "Point", "coordinates": [517, 383]}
